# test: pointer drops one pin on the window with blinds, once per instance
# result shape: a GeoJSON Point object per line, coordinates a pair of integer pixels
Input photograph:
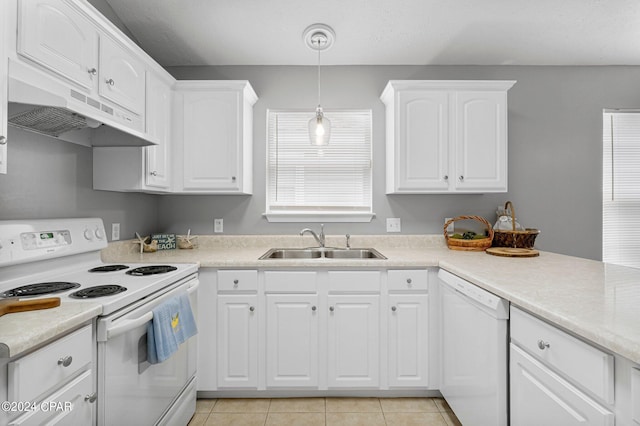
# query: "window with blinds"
{"type": "Point", "coordinates": [621, 188]}
{"type": "Point", "coordinates": [329, 183]}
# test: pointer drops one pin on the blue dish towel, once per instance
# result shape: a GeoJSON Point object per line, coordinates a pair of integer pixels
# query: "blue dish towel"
{"type": "Point", "coordinates": [172, 324]}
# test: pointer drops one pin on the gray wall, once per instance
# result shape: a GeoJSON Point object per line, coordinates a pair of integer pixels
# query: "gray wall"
{"type": "Point", "coordinates": [48, 178]}
{"type": "Point", "coordinates": [555, 134]}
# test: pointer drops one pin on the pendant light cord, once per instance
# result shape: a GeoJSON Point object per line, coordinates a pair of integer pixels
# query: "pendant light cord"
{"type": "Point", "coordinates": [319, 73]}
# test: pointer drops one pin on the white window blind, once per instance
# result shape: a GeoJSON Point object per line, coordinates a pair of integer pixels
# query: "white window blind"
{"type": "Point", "coordinates": [329, 181]}
{"type": "Point", "coordinates": [621, 188]}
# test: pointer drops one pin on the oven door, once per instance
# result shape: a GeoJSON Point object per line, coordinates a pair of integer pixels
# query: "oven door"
{"type": "Point", "coordinates": [130, 389]}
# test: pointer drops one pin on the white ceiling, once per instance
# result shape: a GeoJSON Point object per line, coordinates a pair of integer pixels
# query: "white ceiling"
{"type": "Point", "coordinates": [387, 32]}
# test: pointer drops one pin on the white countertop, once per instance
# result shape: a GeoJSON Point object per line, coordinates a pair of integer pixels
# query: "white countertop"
{"type": "Point", "coordinates": [597, 301]}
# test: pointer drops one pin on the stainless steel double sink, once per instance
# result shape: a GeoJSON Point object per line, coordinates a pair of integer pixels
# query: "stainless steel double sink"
{"type": "Point", "coordinates": [322, 253]}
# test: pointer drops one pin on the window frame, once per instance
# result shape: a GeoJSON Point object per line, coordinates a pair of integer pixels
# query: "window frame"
{"type": "Point", "coordinates": [312, 214]}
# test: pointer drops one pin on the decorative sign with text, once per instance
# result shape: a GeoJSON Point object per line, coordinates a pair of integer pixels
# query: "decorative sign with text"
{"type": "Point", "coordinates": [165, 241]}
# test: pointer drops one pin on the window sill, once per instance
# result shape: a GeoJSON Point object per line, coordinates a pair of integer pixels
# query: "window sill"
{"type": "Point", "coordinates": [318, 217]}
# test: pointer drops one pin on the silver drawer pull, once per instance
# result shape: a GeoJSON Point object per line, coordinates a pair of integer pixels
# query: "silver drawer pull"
{"type": "Point", "coordinates": [393, 308]}
{"type": "Point", "coordinates": [331, 308]}
{"type": "Point", "coordinates": [3, 140]}
{"type": "Point", "coordinates": [154, 173]}
{"type": "Point", "coordinates": [409, 281]}
{"type": "Point", "coordinates": [110, 82]}
{"type": "Point", "coordinates": [313, 308]}
{"type": "Point", "coordinates": [542, 345]}
{"type": "Point", "coordinates": [251, 308]}
{"type": "Point", "coordinates": [65, 361]}
{"type": "Point", "coordinates": [92, 71]}
{"type": "Point", "coordinates": [91, 398]}
{"type": "Point", "coordinates": [235, 283]}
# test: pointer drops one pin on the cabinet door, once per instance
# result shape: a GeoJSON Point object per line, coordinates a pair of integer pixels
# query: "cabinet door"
{"type": "Point", "coordinates": [211, 140]}
{"type": "Point", "coordinates": [408, 331]}
{"type": "Point", "coordinates": [122, 76]}
{"type": "Point", "coordinates": [3, 86]}
{"type": "Point", "coordinates": [292, 340]}
{"type": "Point", "coordinates": [55, 35]}
{"type": "Point", "coordinates": [354, 341]}
{"type": "Point", "coordinates": [422, 141]}
{"type": "Point", "coordinates": [158, 127]}
{"type": "Point", "coordinates": [237, 341]}
{"type": "Point", "coordinates": [480, 141]}
{"type": "Point", "coordinates": [541, 397]}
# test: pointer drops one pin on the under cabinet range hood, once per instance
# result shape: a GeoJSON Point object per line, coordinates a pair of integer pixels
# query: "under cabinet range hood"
{"type": "Point", "coordinates": [42, 104]}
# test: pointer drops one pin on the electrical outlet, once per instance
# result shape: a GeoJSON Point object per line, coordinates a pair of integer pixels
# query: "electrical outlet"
{"type": "Point", "coordinates": [451, 228]}
{"type": "Point", "coordinates": [115, 231]}
{"type": "Point", "coordinates": [394, 224]}
{"type": "Point", "coordinates": [218, 225]}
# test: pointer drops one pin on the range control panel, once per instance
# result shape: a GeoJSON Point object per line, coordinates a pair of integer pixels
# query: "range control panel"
{"type": "Point", "coordinates": [32, 240]}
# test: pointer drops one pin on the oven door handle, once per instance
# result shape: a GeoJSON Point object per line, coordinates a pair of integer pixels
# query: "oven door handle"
{"type": "Point", "coordinates": [127, 325]}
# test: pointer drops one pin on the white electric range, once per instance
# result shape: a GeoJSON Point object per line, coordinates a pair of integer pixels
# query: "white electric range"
{"type": "Point", "coordinates": [61, 258]}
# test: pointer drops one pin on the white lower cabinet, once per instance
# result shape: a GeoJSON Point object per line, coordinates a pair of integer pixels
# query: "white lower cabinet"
{"type": "Point", "coordinates": [292, 340]}
{"type": "Point", "coordinates": [541, 397]}
{"type": "Point", "coordinates": [237, 341]}
{"type": "Point", "coordinates": [555, 378]}
{"type": "Point", "coordinates": [408, 331]}
{"type": "Point", "coordinates": [354, 341]}
{"type": "Point", "coordinates": [318, 330]}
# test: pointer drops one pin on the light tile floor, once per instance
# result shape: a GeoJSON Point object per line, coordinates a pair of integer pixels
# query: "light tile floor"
{"type": "Point", "coordinates": [324, 412]}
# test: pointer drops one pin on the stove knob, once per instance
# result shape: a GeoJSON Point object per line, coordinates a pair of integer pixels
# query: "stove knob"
{"type": "Point", "coordinates": [88, 234]}
{"type": "Point", "coordinates": [100, 233]}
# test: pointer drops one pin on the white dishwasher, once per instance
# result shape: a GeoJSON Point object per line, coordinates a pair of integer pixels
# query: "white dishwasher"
{"type": "Point", "coordinates": [474, 352]}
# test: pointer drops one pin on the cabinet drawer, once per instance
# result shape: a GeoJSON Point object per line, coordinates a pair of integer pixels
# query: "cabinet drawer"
{"type": "Point", "coordinates": [409, 279]}
{"type": "Point", "coordinates": [237, 280]}
{"type": "Point", "coordinates": [577, 360]}
{"type": "Point", "coordinates": [70, 405]}
{"type": "Point", "coordinates": [45, 368]}
{"type": "Point", "coordinates": [365, 281]}
{"type": "Point", "coordinates": [290, 281]}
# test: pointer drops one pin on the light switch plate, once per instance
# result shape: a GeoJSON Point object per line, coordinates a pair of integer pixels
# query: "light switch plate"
{"type": "Point", "coordinates": [115, 231]}
{"type": "Point", "coordinates": [218, 225]}
{"type": "Point", "coordinates": [394, 224]}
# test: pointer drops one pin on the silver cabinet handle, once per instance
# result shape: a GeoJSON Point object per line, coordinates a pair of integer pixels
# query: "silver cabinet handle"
{"type": "Point", "coordinates": [313, 308]}
{"type": "Point", "coordinates": [154, 173]}
{"type": "Point", "coordinates": [251, 308]}
{"type": "Point", "coordinates": [393, 308]}
{"type": "Point", "coordinates": [3, 140]}
{"type": "Point", "coordinates": [65, 361]}
{"type": "Point", "coordinates": [446, 177]}
{"type": "Point", "coordinates": [235, 283]}
{"type": "Point", "coordinates": [409, 281]}
{"type": "Point", "coordinates": [91, 398]}
{"type": "Point", "coordinates": [331, 308]}
{"type": "Point", "coordinates": [542, 345]}
{"type": "Point", "coordinates": [110, 82]}
{"type": "Point", "coordinates": [92, 71]}
{"type": "Point", "coordinates": [461, 178]}
{"type": "Point", "coordinates": [233, 178]}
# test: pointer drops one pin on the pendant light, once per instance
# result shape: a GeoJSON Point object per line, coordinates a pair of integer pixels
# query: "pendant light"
{"type": "Point", "coordinates": [319, 37]}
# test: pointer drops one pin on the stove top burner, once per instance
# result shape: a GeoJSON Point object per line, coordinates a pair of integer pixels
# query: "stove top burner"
{"type": "Point", "coordinates": [39, 289]}
{"type": "Point", "coordinates": [98, 291]}
{"type": "Point", "coordinates": [108, 268]}
{"type": "Point", "coordinates": [151, 270]}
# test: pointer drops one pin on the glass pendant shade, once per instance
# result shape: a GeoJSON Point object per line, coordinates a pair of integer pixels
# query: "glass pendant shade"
{"type": "Point", "coordinates": [319, 129]}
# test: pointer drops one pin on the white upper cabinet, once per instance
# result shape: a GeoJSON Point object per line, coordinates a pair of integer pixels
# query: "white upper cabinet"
{"type": "Point", "coordinates": [61, 36]}
{"type": "Point", "coordinates": [213, 131]}
{"type": "Point", "coordinates": [55, 35]}
{"type": "Point", "coordinates": [446, 136]}
{"type": "Point", "coordinates": [158, 126]}
{"type": "Point", "coordinates": [3, 88]}
{"type": "Point", "coordinates": [122, 76]}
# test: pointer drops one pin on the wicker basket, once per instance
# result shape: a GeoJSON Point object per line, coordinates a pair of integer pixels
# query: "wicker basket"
{"type": "Point", "coordinates": [469, 245]}
{"type": "Point", "coordinates": [516, 239]}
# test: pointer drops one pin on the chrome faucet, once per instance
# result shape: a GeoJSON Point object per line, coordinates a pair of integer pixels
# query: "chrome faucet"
{"type": "Point", "coordinates": [319, 238]}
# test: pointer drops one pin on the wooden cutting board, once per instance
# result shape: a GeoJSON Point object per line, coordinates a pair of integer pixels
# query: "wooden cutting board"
{"type": "Point", "coordinates": [512, 252]}
{"type": "Point", "coordinates": [9, 306]}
